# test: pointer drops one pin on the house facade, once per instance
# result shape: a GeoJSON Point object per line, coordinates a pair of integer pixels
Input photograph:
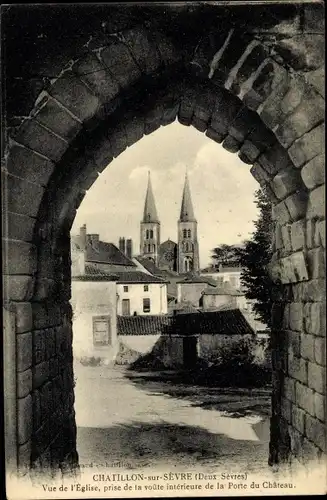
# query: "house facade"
{"type": "Point", "coordinates": [141, 294]}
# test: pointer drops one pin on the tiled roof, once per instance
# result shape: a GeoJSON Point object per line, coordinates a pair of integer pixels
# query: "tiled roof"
{"type": "Point", "coordinates": [141, 325]}
{"type": "Point", "coordinates": [149, 266]}
{"type": "Point", "coordinates": [213, 323]}
{"type": "Point", "coordinates": [137, 277]}
{"type": "Point", "coordinates": [94, 274]}
{"type": "Point", "coordinates": [106, 253]}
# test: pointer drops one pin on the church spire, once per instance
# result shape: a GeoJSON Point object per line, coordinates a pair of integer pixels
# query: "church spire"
{"type": "Point", "coordinates": [187, 213]}
{"type": "Point", "coordinates": [150, 211]}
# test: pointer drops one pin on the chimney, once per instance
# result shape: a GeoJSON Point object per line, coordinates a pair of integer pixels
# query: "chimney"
{"type": "Point", "coordinates": [94, 239]}
{"type": "Point", "coordinates": [122, 245]}
{"type": "Point", "coordinates": [129, 248]}
{"type": "Point", "coordinates": [82, 236]}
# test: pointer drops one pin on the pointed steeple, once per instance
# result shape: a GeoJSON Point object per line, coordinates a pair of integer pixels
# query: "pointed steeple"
{"type": "Point", "coordinates": [187, 213]}
{"type": "Point", "coordinates": [150, 211]}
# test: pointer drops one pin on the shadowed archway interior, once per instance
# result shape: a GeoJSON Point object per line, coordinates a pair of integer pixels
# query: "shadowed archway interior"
{"type": "Point", "coordinates": [259, 92]}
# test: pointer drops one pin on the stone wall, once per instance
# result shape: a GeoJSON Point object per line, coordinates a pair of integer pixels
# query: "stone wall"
{"type": "Point", "coordinates": [82, 96]}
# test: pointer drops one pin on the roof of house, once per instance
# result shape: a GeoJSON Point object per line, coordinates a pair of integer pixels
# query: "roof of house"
{"type": "Point", "coordinates": [141, 325]}
{"type": "Point", "coordinates": [182, 308]}
{"type": "Point", "coordinates": [101, 251]}
{"type": "Point", "coordinates": [213, 323]}
{"type": "Point", "coordinates": [137, 277]}
{"type": "Point", "coordinates": [93, 274]}
{"type": "Point", "coordinates": [106, 253]}
{"type": "Point", "coordinates": [222, 269]}
{"type": "Point", "coordinates": [223, 289]}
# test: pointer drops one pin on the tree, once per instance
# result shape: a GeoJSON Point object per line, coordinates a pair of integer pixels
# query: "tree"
{"type": "Point", "coordinates": [224, 254]}
{"type": "Point", "coordinates": [254, 259]}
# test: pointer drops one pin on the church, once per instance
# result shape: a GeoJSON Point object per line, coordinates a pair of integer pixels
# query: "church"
{"type": "Point", "coordinates": [181, 257]}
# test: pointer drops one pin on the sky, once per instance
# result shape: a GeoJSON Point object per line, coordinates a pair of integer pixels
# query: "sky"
{"type": "Point", "coordinates": [222, 190]}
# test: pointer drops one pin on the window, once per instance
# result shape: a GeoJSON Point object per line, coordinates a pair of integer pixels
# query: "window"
{"type": "Point", "coordinates": [151, 233]}
{"type": "Point", "coordinates": [154, 248]}
{"type": "Point", "coordinates": [189, 233]}
{"type": "Point", "coordinates": [149, 248]}
{"type": "Point", "coordinates": [146, 288]}
{"type": "Point", "coordinates": [184, 233]}
{"type": "Point", "coordinates": [125, 307]}
{"type": "Point", "coordinates": [125, 288]}
{"type": "Point", "coordinates": [101, 330]}
{"type": "Point", "coordinates": [146, 305]}
{"type": "Point", "coordinates": [147, 234]}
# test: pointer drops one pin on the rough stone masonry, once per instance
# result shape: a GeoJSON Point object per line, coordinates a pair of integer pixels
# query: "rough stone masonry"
{"type": "Point", "coordinates": [83, 83]}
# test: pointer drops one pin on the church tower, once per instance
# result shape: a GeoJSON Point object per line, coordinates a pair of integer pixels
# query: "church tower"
{"type": "Point", "coordinates": [188, 247]}
{"type": "Point", "coordinates": [150, 227]}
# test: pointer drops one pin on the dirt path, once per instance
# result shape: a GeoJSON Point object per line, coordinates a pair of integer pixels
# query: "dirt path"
{"type": "Point", "coordinates": [145, 423]}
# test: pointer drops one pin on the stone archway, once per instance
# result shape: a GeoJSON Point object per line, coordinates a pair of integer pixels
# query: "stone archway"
{"type": "Point", "coordinates": [258, 94]}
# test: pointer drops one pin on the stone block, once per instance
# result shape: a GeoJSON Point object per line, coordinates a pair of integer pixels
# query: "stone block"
{"type": "Point", "coordinates": [29, 165]}
{"type": "Point", "coordinates": [297, 205]}
{"type": "Point", "coordinates": [307, 346]}
{"type": "Point", "coordinates": [320, 350]}
{"type": "Point", "coordinates": [285, 183]}
{"type": "Point", "coordinates": [18, 288]}
{"type": "Point", "coordinates": [293, 268]}
{"type": "Point", "coordinates": [315, 431]}
{"type": "Point", "coordinates": [56, 118]}
{"type": "Point", "coordinates": [259, 173]}
{"type": "Point", "coordinates": [22, 258]}
{"type": "Point", "coordinates": [214, 135]}
{"type": "Point", "coordinates": [286, 237]}
{"type": "Point", "coordinates": [24, 351]}
{"type": "Point", "coordinates": [308, 113]}
{"type": "Point", "coordinates": [316, 263]}
{"type": "Point", "coordinates": [296, 316]}
{"type": "Point", "coordinates": [319, 406]}
{"type": "Point", "coordinates": [296, 441]}
{"type": "Point", "coordinates": [40, 374]}
{"type": "Point", "coordinates": [293, 344]}
{"type": "Point", "coordinates": [316, 78]}
{"type": "Point", "coordinates": [69, 90]}
{"type": "Point", "coordinates": [286, 410]}
{"type": "Point", "coordinates": [308, 146]}
{"type": "Point", "coordinates": [314, 291]}
{"type": "Point", "coordinates": [170, 113]}
{"type": "Point", "coordinates": [316, 377]}
{"type": "Point", "coordinates": [289, 389]}
{"type": "Point", "coordinates": [305, 398]}
{"type": "Point", "coordinates": [24, 321]}
{"type": "Point", "coordinates": [313, 172]}
{"type": "Point", "coordinates": [24, 383]}
{"type": "Point", "coordinates": [298, 418]}
{"type": "Point", "coordinates": [281, 213]}
{"type": "Point", "coordinates": [23, 197]}
{"type": "Point", "coordinates": [312, 318]}
{"type": "Point", "coordinates": [41, 140]}
{"type": "Point", "coordinates": [310, 232]}
{"type": "Point", "coordinates": [274, 160]}
{"type": "Point", "coordinates": [224, 112]}
{"type": "Point", "coordinates": [298, 235]}
{"type": "Point", "coordinates": [92, 72]}
{"type": "Point", "coordinates": [297, 368]}
{"type": "Point", "coordinates": [231, 144]}
{"type": "Point", "coordinates": [120, 63]}
{"type": "Point", "coordinates": [303, 52]}
{"type": "Point", "coordinates": [24, 418]}
{"type": "Point", "coordinates": [316, 205]}
{"type": "Point", "coordinates": [20, 227]}
{"type": "Point", "coordinates": [320, 233]}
